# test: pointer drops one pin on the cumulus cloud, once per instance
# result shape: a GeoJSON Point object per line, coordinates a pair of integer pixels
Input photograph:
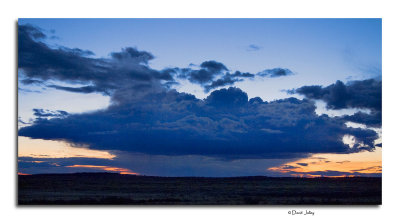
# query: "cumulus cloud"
{"type": "Point", "coordinates": [364, 94]}
{"type": "Point", "coordinates": [356, 94]}
{"type": "Point", "coordinates": [225, 124]}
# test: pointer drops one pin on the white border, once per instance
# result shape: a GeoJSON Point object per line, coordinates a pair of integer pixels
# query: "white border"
{"type": "Point", "coordinates": [10, 11]}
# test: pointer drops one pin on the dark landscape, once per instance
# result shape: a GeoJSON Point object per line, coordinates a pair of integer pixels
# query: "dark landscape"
{"type": "Point", "coordinates": [118, 189]}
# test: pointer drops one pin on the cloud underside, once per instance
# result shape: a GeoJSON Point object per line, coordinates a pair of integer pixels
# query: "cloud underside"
{"type": "Point", "coordinates": [147, 116]}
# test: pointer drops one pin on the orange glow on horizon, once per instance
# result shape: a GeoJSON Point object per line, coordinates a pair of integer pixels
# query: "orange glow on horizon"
{"type": "Point", "coordinates": [24, 174]}
{"type": "Point", "coordinates": [348, 165]}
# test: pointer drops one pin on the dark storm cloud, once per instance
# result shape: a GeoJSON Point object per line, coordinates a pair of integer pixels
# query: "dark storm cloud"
{"type": "Point", "coordinates": [225, 125]}
{"type": "Point", "coordinates": [275, 72]}
{"type": "Point", "coordinates": [356, 94]}
{"type": "Point", "coordinates": [365, 94]}
{"type": "Point", "coordinates": [125, 69]}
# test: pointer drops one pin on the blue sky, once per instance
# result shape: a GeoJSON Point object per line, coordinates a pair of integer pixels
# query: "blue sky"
{"type": "Point", "coordinates": [315, 51]}
{"type": "Point", "coordinates": [320, 50]}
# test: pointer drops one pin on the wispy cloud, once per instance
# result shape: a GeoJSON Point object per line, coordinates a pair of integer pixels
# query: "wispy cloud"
{"type": "Point", "coordinates": [253, 47]}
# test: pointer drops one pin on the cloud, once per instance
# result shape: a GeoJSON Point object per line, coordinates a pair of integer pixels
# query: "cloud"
{"type": "Point", "coordinates": [231, 98]}
{"type": "Point", "coordinates": [213, 66]}
{"type": "Point", "coordinates": [44, 113]}
{"type": "Point", "coordinates": [31, 81]}
{"type": "Point", "coordinates": [275, 72]}
{"type": "Point", "coordinates": [288, 167]}
{"type": "Point", "coordinates": [253, 47]}
{"type": "Point", "coordinates": [123, 71]}
{"type": "Point", "coordinates": [228, 79]}
{"type": "Point", "coordinates": [128, 54]}
{"type": "Point", "coordinates": [224, 125]}
{"type": "Point", "coordinates": [371, 168]}
{"type": "Point", "coordinates": [22, 122]}
{"type": "Point", "coordinates": [214, 74]}
{"type": "Point", "coordinates": [209, 70]}
{"type": "Point", "coordinates": [373, 119]}
{"type": "Point", "coordinates": [302, 164]}
{"type": "Point", "coordinates": [341, 162]}
{"type": "Point", "coordinates": [85, 89]}
{"type": "Point", "coordinates": [356, 94]}
{"type": "Point", "coordinates": [364, 94]}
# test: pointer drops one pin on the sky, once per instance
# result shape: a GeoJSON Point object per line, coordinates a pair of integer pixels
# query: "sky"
{"type": "Point", "coordinates": [200, 97]}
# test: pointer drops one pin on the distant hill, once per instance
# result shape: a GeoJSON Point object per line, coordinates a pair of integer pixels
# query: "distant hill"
{"type": "Point", "coordinates": [117, 189]}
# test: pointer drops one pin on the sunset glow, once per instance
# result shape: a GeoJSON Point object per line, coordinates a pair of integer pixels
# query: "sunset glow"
{"type": "Point", "coordinates": [355, 164]}
{"type": "Point", "coordinates": [38, 148]}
